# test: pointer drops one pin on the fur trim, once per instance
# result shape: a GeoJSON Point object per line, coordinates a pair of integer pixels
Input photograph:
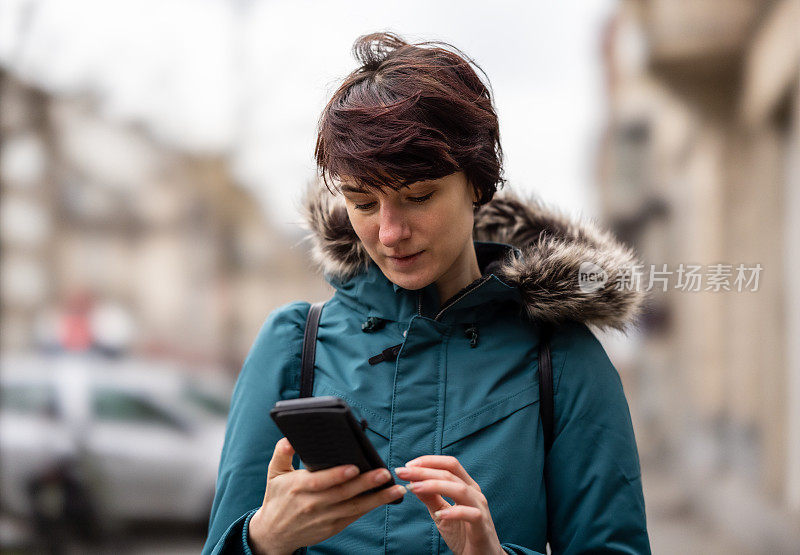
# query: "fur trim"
{"type": "Point", "coordinates": [553, 246]}
{"type": "Point", "coordinates": [335, 246]}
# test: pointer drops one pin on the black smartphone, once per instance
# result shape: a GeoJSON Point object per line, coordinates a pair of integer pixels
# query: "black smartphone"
{"type": "Point", "coordinates": [324, 433]}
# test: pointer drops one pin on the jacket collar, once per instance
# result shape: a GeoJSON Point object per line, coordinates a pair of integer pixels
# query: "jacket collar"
{"type": "Point", "coordinates": [528, 253]}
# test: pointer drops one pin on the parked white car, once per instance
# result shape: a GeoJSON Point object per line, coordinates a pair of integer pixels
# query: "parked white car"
{"type": "Point", "coordinates": [135, 439]}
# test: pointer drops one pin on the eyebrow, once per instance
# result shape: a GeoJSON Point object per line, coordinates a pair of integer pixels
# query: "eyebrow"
{"type": "Point", "coordinates": [353, 189]}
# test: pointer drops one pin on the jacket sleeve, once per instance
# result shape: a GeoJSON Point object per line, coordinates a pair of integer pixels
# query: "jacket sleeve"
{"type": "Point", "coordinates": [595, 502]}
{"type": "Point", "coordinates": [270, 372]}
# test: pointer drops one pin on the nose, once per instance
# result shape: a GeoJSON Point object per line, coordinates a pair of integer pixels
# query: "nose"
{"type": "Point", "coordinates": [393, 226]}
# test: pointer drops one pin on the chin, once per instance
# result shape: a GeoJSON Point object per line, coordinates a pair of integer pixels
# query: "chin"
{"type": "Point", "coordinates": [412, 282]}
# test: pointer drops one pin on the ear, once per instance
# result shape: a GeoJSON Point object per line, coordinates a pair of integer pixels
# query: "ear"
{"type": "Point", "coordinates": [473, 191]}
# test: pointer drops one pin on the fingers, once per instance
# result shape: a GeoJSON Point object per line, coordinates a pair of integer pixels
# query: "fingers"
{"type": "Point", "coordinates": [472, 515]}
{"type": "Point", "coordinates": [433, 501]}
{"type": "Point", "coordinates": [324, 479]}
{"type": "Point", "coordinates": [459, 492]}
{"type": "Point", "coordinates": [362, 504]}
{"type": "Point", "coordinates": [444, 462]}
{"type": "Point", "coordinates": [362, 483]}
{"type": "Point", "coordinates": [417, 473]}
{"type": "Point", "coordinates": [281, 461]}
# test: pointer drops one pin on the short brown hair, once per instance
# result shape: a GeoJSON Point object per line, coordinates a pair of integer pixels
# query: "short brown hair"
{"type": "Point", "coordinates": [411, 112]}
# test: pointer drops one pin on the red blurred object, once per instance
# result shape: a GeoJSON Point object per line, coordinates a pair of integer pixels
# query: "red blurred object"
{"type": "Point", "coordinates": [75, 331]}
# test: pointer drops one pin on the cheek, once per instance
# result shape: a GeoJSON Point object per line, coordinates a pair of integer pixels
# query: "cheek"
{"type": "Point", "coordinates": [361, 226]}
{"type": "Point", "coordinates": [456, 226]}
{"type": "Point", "coordinates": [368, 233]}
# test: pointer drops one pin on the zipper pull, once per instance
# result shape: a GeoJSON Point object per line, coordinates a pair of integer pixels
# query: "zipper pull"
{"type": "Point", "coordinates": [388, 354]}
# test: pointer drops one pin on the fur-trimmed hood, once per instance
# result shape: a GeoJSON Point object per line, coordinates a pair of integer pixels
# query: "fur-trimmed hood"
{"type": "Point", "coordinates": [552, 253]}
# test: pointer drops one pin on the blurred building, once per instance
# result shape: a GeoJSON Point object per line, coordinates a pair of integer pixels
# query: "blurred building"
{"type": "Point", "coordinates": [700, 165]}
{"type": "Point", "coordinates": [171, 254]}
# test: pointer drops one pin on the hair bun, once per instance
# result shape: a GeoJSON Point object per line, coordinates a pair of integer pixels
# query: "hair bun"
{"type": "Point", "coordinates": [372, 49]}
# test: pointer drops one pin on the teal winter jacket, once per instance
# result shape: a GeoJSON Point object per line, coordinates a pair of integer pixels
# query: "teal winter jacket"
{"type": "Point", "coordinates": [464, 383]}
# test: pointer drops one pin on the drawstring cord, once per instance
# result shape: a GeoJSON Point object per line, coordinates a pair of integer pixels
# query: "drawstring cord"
{"type": "Point", "coordinates": [373, 323]}
{"type": "Point", "coordinates": [471, 331]}
{"type": "Point", "coordinates": [388, 354]}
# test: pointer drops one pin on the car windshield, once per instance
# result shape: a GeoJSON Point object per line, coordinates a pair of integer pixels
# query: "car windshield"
{"type": "Point", "coordinates": [210, 404]}
{"type": "Point", "coordinates": [34, 399]}
{"type": "Point", "coordinates": [115, 405]}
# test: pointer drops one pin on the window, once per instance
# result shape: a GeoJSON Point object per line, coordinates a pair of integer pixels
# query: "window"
{"type": "Point", "coordinates": [30, 399]}
{"type": "Point", "coordinates": [121, 406]}
{"type": "Point", "coordinates": [207, 402]}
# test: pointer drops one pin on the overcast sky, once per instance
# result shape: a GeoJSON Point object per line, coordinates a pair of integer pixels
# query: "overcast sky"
{"type": "Point", "coordinates": [251, 77]}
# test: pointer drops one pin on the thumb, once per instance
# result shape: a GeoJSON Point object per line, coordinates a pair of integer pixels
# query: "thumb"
{"type": "Point", "coordinates": [281, 461]}
{"type": "Point", "coordinates": [434, 502]}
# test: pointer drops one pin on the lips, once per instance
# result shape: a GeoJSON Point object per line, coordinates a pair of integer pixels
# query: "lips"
{"type": "Point", "coordinates": [401, 263]}
{"type": "Point", "coordinates": [405, 256]}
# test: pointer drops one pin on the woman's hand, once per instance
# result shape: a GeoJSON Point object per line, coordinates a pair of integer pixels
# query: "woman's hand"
{"type": "Point", "coordinates": [303, 508]}
{"type": "Point", "coordinates": [466, 526]}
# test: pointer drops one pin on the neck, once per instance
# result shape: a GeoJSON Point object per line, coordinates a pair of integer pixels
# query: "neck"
{"type": "Point", "coordinates": [464, 271]}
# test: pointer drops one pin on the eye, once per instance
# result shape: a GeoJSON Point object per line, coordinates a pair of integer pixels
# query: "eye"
{"type": "Point", "coordinates": [422, 198]}
{"type": "Point", "coordinates": [366, 206]}
{"type": "Point", "coordinates": [369, 205]}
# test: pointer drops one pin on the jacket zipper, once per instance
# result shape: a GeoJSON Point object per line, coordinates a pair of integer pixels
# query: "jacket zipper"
{"type": "Point", "coordinates": [390, 353]}
{"type": "Point", "coordinates": [463, 294]}
{"type": "Point", "coordinates": [450, 303]}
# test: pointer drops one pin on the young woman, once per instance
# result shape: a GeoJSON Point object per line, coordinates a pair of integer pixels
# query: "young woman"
{"type": "Point", "coordinates": [425, 258]}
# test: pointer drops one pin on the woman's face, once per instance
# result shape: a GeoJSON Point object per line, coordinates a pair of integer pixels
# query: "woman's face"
{"type": "Point", "coordinates": [431, 220]}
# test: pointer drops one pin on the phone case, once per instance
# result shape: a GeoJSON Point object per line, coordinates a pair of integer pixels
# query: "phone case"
{"type": "Point", "coordinates": [324, 433]}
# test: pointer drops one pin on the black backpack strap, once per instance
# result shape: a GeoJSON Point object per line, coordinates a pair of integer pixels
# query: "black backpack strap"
{"type": "Point", "coordinates": [307, 369]}
{"type": "Point", "coordinates": [309, 350]}
{"type": "Point", "coordinates": [546, 385]}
